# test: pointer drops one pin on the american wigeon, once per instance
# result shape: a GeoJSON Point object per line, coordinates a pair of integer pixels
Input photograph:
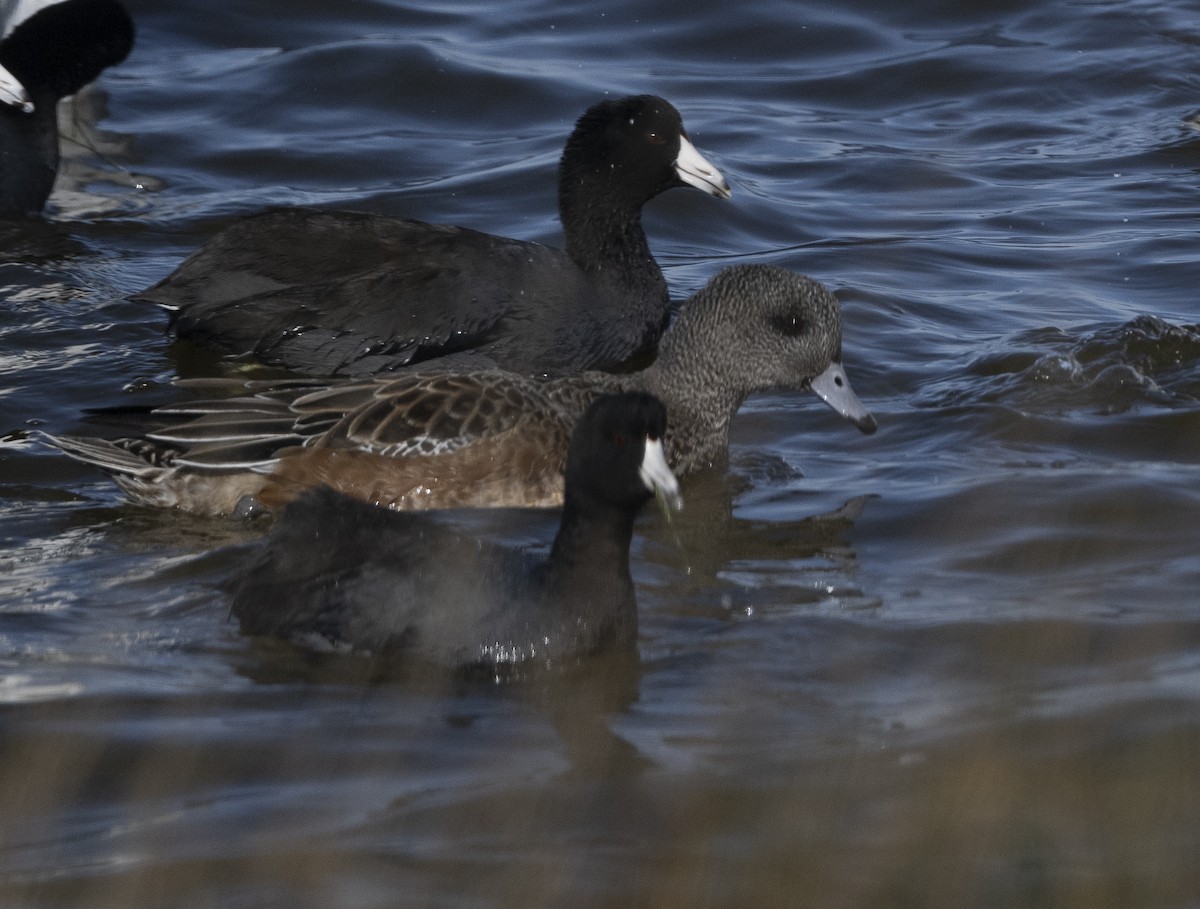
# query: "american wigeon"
{"type": "Point", "coordinates": [442, 439]}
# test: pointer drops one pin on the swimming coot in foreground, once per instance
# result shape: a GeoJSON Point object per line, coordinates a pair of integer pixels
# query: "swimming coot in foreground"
{"type": "Point", "coordinates": [343, 293]}
{"type": "Point", "coordinates": [442, 439]}
{"type": "Point", "coordinates": [337, 572]}
{"type": "Point", "coordinates": [48, 49]}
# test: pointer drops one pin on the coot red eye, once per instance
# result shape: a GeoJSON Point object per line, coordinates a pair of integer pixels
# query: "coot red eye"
{"type": "Point", "coordinates": [619, 440]}
{"type": "Point", "coordinates": [655, 139]}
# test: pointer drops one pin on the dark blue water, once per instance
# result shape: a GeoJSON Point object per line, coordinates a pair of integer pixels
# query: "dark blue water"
{"type": "Point", "coordinates": [956, 663]}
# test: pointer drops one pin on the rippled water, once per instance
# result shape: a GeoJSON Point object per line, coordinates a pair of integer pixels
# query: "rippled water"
{"type": "Point", "coordinates": [956, 663]}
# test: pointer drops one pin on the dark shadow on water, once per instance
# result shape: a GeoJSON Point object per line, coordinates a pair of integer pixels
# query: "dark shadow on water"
{"type": "Point", "coordinates": [33, 241]}
{"type": "Point", "coordinates": [579, 700]}
{"type": "Point", "coordinates": [194, 361]}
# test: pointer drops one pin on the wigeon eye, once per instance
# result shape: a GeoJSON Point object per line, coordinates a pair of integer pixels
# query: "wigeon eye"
{"type": "Point", "coordinates": [790, 326]}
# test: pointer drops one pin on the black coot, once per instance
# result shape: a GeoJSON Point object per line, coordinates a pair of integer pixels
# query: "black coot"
{"type": "Point", "coordinates": [48, 49]}
{"type": "Point", "coordinates": [344, 293]}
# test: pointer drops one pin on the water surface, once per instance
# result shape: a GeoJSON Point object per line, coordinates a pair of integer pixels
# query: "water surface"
{"type": "Point", "coordinates": [956, 663]}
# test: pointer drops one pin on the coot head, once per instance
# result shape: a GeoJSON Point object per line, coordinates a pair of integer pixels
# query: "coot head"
{"type": "Point", "coordinates": [636, 148]}
{"type": "Point", "coordinates": [615, 458]}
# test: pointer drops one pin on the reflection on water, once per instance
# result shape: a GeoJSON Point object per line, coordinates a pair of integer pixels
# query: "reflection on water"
{"type": "Point", "coordinates": [94, 179]}
{"type": "Point", "coordinates": [956, 663]}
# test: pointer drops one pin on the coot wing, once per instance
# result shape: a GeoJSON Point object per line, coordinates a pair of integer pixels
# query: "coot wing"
{"type": "Point", "coordinates": [357, 576]}
{"type": "Point", "coordinates": [450, 288]}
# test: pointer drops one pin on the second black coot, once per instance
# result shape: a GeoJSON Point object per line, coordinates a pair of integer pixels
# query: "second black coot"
{"type": "Point", "coordinates": [343, 574]}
